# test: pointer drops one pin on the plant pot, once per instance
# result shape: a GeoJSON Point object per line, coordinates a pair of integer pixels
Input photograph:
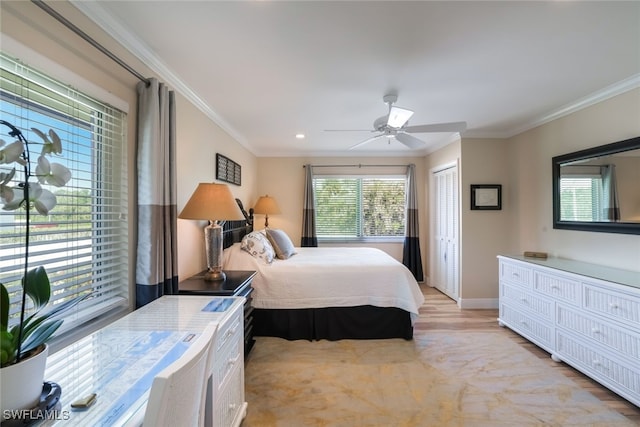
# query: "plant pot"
{"type": "Point", "coordinates": [21, 383]}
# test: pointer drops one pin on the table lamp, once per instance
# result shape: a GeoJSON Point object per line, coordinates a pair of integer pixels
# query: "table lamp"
{"type": "Point", "coordinates": [266, 205]}
{"type": "Point", "coordinates": [213, 202]}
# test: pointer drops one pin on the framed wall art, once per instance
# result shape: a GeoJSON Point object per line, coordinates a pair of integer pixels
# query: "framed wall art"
{"type": "Point", "coordinates": [227, 170]}
{"type": "Point", "coordinates": [486, 197]}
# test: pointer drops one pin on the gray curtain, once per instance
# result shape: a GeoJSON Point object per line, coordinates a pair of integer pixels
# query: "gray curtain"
{"type": "Point", "coordinates": [309, 237]}
{"type": "Point", "coordinates": [611, 205]}
{"type": "Point", "coordinates": [411, 257]}
{"type": "Point", "coordinates": [156, 262]}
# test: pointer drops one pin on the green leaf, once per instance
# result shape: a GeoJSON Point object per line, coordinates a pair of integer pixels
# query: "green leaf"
{"type": "Point", "coordinates": [36, 285]}
{"type": "Point", "coordinates": [4, 308]}
{"type": "Point", "coordinates": [41, 335]}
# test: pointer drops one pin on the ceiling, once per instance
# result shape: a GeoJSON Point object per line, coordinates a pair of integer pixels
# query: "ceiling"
{"type": "Point", "coordinates": [267, 70]}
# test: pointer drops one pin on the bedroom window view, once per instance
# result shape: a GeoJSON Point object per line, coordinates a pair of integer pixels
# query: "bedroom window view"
{"type": "Point", "coordinates": [359, 208]}
{"type": "Point", "coordinates": [582, 198]}
{"type": "Point", "coordinates": [82, 241]}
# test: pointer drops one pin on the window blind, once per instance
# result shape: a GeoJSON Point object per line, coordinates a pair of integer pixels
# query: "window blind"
{"type": "Point", "coordinates": [581, 198]}
{"type": "Point", "coordinates": [83, 241]}
{"type": "Point", "coordinates": [359, 208]}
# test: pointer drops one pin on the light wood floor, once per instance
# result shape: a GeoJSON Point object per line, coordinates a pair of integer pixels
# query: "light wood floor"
{"type": "Point", "coordinates": [440, 313]}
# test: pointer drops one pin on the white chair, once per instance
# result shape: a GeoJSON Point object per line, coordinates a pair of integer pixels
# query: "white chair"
{"type": "Point", "coordinates": [177, 395]}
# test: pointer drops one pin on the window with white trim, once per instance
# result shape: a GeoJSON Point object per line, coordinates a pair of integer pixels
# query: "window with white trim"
{"type": "Point", "coordinates": [83, 241]}
{"type": "Point", "coordinates": [359, 208]}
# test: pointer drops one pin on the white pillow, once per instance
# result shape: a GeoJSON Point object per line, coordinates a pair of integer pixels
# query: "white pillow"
{"type": "Point", "coordinates": [281, 243]}
{"type": "Point", "coordinates": [258, 246]}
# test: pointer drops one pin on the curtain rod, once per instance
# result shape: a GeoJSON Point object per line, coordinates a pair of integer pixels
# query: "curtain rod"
{"type": "Point", "coordinates": [354, 166]}
{"type": "Point", "coordinates": [64, 21]}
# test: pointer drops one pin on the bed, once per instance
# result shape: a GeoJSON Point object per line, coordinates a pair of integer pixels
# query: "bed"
{"type": "Point", "coordinates": [329, 293]}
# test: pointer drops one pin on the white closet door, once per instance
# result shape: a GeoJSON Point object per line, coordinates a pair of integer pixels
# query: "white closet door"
{"type": "Point", "coordinates": [446, 257]}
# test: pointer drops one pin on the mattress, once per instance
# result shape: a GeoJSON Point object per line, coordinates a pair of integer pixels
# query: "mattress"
{"type": "Point", "coordinates": [329, 277]}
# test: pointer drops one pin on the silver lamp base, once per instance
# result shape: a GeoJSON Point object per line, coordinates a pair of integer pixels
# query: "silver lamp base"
{"type": "Point", "coordinates": [214, 276]}
{"type": "Point", "coordinates": [213, 248]}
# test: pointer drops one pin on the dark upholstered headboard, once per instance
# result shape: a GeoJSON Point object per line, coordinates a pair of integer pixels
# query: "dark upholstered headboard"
{"type": "Point", "coordinates": [234, 231]}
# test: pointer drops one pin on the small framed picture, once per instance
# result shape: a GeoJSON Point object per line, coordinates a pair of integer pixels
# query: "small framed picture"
{"type": "Point", "coordinates": [486, 197]}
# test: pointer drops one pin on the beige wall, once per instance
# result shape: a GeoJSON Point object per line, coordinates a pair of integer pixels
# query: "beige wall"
{"type": "Point", "coordinates": [283, 178]}
{"type": "Point", "coordinates": [484, 233]}
{"type": "Point", "coordinates": [530, 172]}
{"type": "Point", "coordinates": [198, 138]}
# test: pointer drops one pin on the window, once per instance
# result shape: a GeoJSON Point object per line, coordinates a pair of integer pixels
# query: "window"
{"type": "Point", "coordinates": [357, 208]}
{"type": "Point", "coordinates": [582, 198]}
{"type": "Point", "coordinates": [82, 242]}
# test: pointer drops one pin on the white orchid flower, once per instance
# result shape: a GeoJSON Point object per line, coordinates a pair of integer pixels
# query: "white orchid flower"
{"type": "Point", "coordinates": [11, 153]}
{"type": "Point", "coordinates": [6, 192]}
{"type": "Point", "coordinates": [52, 173]}
{"type": "Point", "coordinates": [53, 146]}
{"type": "Point", "coordinates": [42, 200]}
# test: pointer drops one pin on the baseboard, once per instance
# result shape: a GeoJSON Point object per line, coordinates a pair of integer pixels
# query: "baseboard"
{"type": "Point", "coordinates": [478, 303]}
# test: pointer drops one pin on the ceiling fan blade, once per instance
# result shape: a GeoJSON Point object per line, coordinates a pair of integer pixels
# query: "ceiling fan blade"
{"type": "Point", "coordinates": [398, 117]}
{"type": "Point", "coordinates": [348, 130]}
{"type": "Point", "coordinates": [410, 140]}
{"type": "Point", "coordinates": [438, 127]}
{"type": "Point", "coordinates": [366, 141]}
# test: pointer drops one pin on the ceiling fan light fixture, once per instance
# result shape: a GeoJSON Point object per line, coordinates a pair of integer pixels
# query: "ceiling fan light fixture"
{"type": "Point", "coordinates": [398, 117]}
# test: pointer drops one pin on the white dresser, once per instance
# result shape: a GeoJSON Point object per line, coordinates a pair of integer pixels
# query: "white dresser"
{"type": "Point", "coordinates": [583, 314]}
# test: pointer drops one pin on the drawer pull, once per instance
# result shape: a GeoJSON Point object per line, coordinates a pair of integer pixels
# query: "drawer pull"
{"type": "Point", "coordinates": [614, 306]}
{"type": "Point", "coordinates": [597, 363]}
{"type": "Point", "coordinates": [523, 299]}
{"type": "Point", "coordinates": [514, 274]}
{"type": "Point", "coordinates": [233, 360]}
{"type": "Point", "coordinates": [555, 287]}
{"type": "Point", "coordinates": [595, 331]}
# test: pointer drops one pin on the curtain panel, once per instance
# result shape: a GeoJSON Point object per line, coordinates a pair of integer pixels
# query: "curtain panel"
{"type": "Point", "coordinates": [411, 256]}
{"type": "Point", "coordinates": [611, 204]}
{"type": "Point", "coordinates": [156, 257]}
{"type": "Point", "coordinates": [309, 236]}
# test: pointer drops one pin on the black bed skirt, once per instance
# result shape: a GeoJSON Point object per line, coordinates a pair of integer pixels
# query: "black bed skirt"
{"type": "Point", "coordinates": [333, 323]}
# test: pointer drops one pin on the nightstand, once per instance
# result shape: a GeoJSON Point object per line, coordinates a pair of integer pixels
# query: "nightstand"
{"type": "Point", "coordinates": [237, 284]}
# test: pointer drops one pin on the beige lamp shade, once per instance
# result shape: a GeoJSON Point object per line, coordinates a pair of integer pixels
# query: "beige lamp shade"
{"type": "Point", "coordinates": [213, 202]}
{"type": "Point", "coordinates": [266, 206]}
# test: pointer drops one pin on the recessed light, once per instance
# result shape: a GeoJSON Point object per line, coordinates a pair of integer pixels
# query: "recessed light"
{"type": "Point", "coordinates": [299, 135]}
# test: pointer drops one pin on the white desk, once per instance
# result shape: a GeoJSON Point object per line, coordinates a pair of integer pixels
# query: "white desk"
{"type": "Point", "coordinates": [119, 361]}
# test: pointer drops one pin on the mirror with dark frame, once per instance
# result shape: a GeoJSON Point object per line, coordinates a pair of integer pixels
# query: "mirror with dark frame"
{"type": "Point", "coordinates": [598, 189]}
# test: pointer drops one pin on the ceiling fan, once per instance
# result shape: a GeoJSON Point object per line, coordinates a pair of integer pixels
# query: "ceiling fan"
{"type": "Point", "coordinates": [395, 125]}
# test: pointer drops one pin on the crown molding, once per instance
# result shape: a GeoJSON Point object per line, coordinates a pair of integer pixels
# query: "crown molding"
{"type": "Point", "coordinates": [95, 12]}
{"type": "Point", "coordinates": [596, 97]}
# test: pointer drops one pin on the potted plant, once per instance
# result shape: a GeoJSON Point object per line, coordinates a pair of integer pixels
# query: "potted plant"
{"type": "Point", "coordinates": [23, 348]}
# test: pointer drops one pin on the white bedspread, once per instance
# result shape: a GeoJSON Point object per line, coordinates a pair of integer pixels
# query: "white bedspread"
{"type": "Point", "coordinates": [329, 277]}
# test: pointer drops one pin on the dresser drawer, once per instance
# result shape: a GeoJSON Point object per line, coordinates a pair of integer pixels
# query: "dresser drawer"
{"type": "Point", "coordinates": [229, 332]}
{"type": "Point", "coordinates": [623, 378]}
{"type": "Point", "coordinates": [558, 287]}
{"type": "Point", "coordinates": [616, 338]}
{"type": "Point", "coordinates": [614, 305]}
{"type": "Point", "coordinates": [229, 405]}
{"type": "Point", "coordinates": [522, 298]}
{"type": "Point", "coordinates": [533, 329]}
{"type": "Point", "coordinates": [227, 360]}
{"type": "Point", "coordinates": [516, 274]}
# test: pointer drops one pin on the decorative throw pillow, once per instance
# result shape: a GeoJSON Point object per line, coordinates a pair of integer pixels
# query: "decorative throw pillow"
{"type": "Point", "coordinates": [281, 243]}
{"type": "Point", "coordinates": [258, 246]}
